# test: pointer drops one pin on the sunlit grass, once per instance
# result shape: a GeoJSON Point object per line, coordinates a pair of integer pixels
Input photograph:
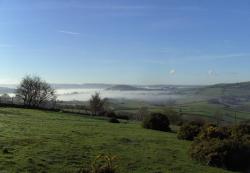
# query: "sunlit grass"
{"type": "Point", "coordinates": [40, 141]}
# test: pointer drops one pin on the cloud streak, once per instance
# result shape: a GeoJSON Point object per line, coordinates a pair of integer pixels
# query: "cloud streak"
{"type": "Point", "coordinates": [69, 32]}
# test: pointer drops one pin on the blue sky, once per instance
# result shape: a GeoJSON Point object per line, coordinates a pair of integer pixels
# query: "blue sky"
{"type": "Point", "coordinates": [125, 41]}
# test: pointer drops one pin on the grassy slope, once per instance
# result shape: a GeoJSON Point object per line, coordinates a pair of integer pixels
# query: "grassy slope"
{"type": "Point", "coordinates": [39, 141]}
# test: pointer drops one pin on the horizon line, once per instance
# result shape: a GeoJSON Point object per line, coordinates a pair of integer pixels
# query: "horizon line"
{"type": "Point", "coordinates": [96, 83]}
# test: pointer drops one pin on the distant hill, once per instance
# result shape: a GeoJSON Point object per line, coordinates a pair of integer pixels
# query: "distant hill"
{"type": "Point", "coordinates": [126, 88]}
{"type": "Point", "coordinates": [241, 85]}
{"type": "Point", "coordinates": [82, 86]}
{"type": "Point", "coordinates": [174, 89]}
{"type": "Point", "coordinates": [233, 89]}
{"type": "Point", "coordinates": [123, 87]}
{"type": "Point", "coordinates": [6, 90]}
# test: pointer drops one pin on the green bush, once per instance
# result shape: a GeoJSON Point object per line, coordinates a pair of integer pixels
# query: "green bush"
{"type": "Point", "coordinates": [113, 114]}
{"type": "Point", "coordinates": [114, 120]}
{"type": "Point", "coordinates": [173, 116]}
{"type": "Point", "coordinates": [228, 153]}
{"type": "Point", "coordinates": [190, 130]}
{"type": "Point", "coordinates": [110, 114]}
{"type": "Point", "coordinates": [156, 121]}
{"type": "Point", "coordinates": [124, 116]}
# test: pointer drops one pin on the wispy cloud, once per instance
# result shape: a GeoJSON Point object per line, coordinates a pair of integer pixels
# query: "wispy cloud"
{"type": "Point", "coordinates": [69, 32]}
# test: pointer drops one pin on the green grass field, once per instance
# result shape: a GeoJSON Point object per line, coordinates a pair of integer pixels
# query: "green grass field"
{"type": "Point", "coordinates": [198, 109]}
{"type": "Point", "coordinates": [39, 141]}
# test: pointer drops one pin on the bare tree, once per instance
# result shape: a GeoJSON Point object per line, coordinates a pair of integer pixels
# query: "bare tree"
{"type": "Point", "coordinates": [35, 92]}
{"type": "Point", "coordinates": [96, 104]}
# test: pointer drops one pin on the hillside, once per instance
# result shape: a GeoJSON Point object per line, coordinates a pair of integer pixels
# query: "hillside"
{"type": "Point", "coordinates": [40, 141]}
{"type": "Point", "coordinates": [6, 90]}
{"type": "Point", "coordinates": [143, 88]}
{"type": "Point", "coordinates": [234, 89]}
{"type": "Point", "coordinates": [125, 88]}
{"type": "Point", "coordinates": [82, 86]}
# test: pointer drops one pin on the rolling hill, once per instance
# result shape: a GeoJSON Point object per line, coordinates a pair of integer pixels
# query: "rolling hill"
{"type": "Point", "coordinates": [234, 89]}
{"type": "Point", "coordinates": [125, 88]}
{"type": "Point", "coordinates": [6, 90]}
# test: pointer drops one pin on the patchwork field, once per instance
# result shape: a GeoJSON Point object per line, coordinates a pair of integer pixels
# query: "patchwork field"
{"type": "Point", "coordinates": [199, 109]}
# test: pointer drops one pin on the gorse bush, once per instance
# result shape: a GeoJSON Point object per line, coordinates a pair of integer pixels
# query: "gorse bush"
{"type": "Point", "coordinates": [228, 153]}
{"type": "Point", "coordinates": [225, 147]}
{"type": "Point", "coordinates": [241, 130]}
{"type": "Point", "coordinates": [212, 131]}
{"type": "Point", "coordinates": [102, 164]}
{"type": "Point", "coordinates": [156, 121]}
{"type": "Point", "coordinates": [190, 130]}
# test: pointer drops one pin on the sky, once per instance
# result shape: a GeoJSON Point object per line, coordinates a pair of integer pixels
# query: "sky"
{"type": "Point", "coordinates": [125, 41]}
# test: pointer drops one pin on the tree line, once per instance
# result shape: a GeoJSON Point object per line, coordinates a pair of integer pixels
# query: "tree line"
{"type": "Point", "coordinates": [34, 92]}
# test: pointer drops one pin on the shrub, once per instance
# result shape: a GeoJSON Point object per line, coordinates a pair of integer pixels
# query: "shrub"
{"type": "Point", "coordinates": [123, 116]}
{"type": "Point", "coordinates": [156, 121]}
{"type": "Point", "coordinates": [210, 131]}
{"type": "Point", "coordinates": [102, 164]}
{"type": "Point", "coordinates": [228, 153]}
{"type": "Point", "coordinates": [190, 130]}
{"type": "Point", "coordinates": [111, 114]}
{"type": "Point", "coordinates": [5, 151]}
{"type": "Point", "coordinates": [173, 116]}
{"type": "Point", "coordinates": [241, 130]}
{"type": "Point", "coordinates": [226, 147]}
{"type": "Point", "coordinates": [114, 120]}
